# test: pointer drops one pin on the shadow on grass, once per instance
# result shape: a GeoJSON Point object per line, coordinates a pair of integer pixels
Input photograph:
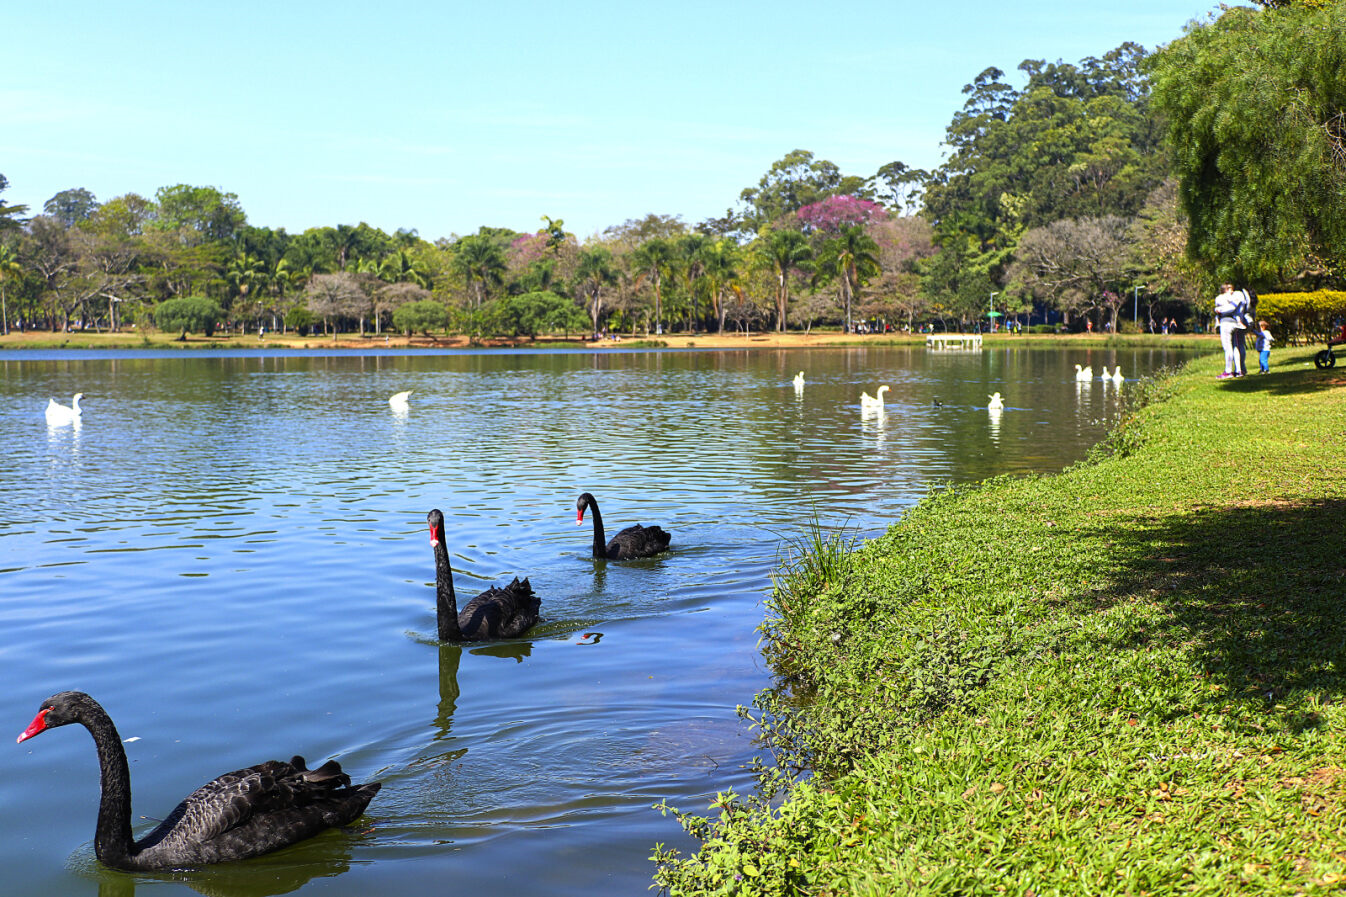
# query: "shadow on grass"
{"type": "Point", "coordinates": [1257, 592]}
{"type": "Point", "coordinates": [1288, 381]}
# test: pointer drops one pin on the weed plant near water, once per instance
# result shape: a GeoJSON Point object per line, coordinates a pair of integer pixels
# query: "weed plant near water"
{"type": "Point", "coordinates": [1126, 678]}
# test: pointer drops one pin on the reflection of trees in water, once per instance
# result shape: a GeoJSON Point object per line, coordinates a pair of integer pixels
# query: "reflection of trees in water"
{"type": "Point", "coordinates": [280, 873]}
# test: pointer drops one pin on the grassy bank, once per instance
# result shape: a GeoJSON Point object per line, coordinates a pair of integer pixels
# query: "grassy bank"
{"type": "Point", "coordinates": [1123, 679]}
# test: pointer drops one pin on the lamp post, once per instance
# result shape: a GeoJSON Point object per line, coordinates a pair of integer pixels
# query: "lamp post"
{"type": "Point", "coordinates": [1135, 303]}
{"type": "Point", "coordinates": [990, 312]}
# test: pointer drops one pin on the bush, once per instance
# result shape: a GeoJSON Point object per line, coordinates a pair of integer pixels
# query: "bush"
{"type": "Point", "coordinates": [422, 316]}
{"type": "Point", "coordinates": [533, 313]}
{"type": "Point", "coordinates": [299, 318]}
{"type": "Point", "coordinates": [191, 313]}
{"type": "Point", "coordinates": [1310, 317]}
{"type": "Point", "coordinates": [1042, 328]}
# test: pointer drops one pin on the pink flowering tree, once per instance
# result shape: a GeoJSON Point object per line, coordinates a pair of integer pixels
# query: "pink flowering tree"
{"type": "Point", "coordinates": [830, 215]}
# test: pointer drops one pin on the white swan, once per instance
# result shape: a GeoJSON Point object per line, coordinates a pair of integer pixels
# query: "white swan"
{"type": "Point", "coordinates": [58, 414]}
{"type": "Point", "coordinates": [996, 403]}
{"type": "Point", "coordinates": [398, 401]}
{"type": "Point", "coordinates": [1105, 375]}
{"type": "Point", "coordinates": [1084, 374]}
{"type": "Point", "coordinates": [1117, 377]}
{"type": "Point", "coordinates": [799, 380]}
{"type": "Point", "coordinates": [874, 402]}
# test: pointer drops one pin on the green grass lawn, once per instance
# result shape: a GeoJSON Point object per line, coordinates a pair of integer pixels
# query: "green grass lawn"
{"type": "Point", "coordinates": [1123, 679]}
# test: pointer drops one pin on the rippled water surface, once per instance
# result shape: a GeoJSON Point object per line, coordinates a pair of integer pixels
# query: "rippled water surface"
{"type": "Point", "coordinates": [230, 553]}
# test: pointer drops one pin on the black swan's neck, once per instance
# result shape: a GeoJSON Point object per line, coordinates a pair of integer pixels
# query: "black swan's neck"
{"type": "Point", "coordinates": [112, 840]}
{"type": "Point", "coordinates": [600, 544]}
{"type": "Point", "coordinates": [446, 602]}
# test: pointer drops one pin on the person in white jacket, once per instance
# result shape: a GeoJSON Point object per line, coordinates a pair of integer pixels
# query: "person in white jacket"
{"type": "Point", "coordinates": [1228, 311]}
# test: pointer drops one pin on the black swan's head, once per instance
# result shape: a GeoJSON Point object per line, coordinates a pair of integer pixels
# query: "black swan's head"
{"type": "Point", "coordinates": [436, 520]}
{"type": "Point", "coordinates": [58, 710]}
{"type": "Point", "coordinates": [582, 505]}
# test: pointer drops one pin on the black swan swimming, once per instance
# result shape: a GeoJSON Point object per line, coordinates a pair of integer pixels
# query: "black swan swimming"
{"type": "Point", "coordinates": [633, 542]}
{"type": "Point", "coordinates": [495, 613]}
{"type": "Point", "coordinates": [239, 815]}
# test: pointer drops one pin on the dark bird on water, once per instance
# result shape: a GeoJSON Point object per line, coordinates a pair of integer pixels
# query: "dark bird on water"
{"type": "Point", "coordinates": [494, 614]}
{"type": "Point", "coordinates": [239, 815]}
{"type": "Point", "coordinates": [633, 542]}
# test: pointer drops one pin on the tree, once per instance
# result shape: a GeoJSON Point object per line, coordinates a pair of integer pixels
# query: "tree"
{"type": "Point", "coordinates": [333, 296]}
{"type": "Point", "coordinates": [481, 262]}
{"type": "Point", "coordinates": [655, 256]}
{"type": "Point", "coordinates": [10, 271]}
{"type": "Point", "coordinates": [794, 181]}
{"type": "Point", "coordinates": [1078, 262]}
{"type": "Point", "coordinates": [852, 257]}
{"type": "Point", "coordinates": [898, 186]}
{"type": "Point", "coordinates": [1257, 121]}
{"type": "Point", "coordinates": [199, 214]}
{"type": "Point", "coordinates": [595, 273]}
{"type": "Point", "coordinates": [10, 215]}
{"type": "Point", "coordinates": [533, 313]}
{"type": "Point", "coordinates": [423, 316]}
{"type": "Point", "coordinates": [191, 313]}
{"type": "Point", "coordinates": [71, 207]}
{"type": "Point", "coordinates": [784, 251]}
{"type": "Point", "coordinates": [720, 270]}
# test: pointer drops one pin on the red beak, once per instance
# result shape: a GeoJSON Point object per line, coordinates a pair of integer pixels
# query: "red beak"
{"type": "Point", "coordinates": [579, 517]}
{"type": "Point", "coordinates": [434, 536]}
{"type": "Point", "coordinates": [36, 727]}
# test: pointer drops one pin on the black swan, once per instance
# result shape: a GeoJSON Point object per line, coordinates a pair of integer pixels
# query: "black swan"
{"type": "Point", "coordinates": [633, 542]}
{"type": "Point", "coordinates": [239, 815]}
{"type": "Point", "coordinates": [495, 613]}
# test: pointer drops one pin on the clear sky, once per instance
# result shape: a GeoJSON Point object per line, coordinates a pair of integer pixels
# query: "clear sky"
{"type": "Point", "coordinates": [445, 116]}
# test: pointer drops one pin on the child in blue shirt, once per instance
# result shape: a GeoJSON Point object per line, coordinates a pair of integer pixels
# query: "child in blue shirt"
{"type": "Point", "coordinates": [1264, 341]}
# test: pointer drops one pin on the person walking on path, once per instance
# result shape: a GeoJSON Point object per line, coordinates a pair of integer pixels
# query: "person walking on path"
{"type": "Point", "coordinates": [1228, 308]}
{"type": "Point", "coordinates": [1264, 341]}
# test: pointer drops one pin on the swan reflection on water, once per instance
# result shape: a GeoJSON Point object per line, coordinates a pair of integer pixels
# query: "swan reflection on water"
{"type": "Point", "coordinates": [261, 877]}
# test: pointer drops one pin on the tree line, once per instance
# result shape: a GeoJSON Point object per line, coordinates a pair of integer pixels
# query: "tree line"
{"type": "Point", "coordinates": [1132, 181]}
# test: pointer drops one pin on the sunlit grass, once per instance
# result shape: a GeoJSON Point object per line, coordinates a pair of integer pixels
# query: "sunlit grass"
{"type": "Point", "coordinates": [1123, 679]}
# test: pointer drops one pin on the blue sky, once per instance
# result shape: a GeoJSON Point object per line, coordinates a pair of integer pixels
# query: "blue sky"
{"type": "Point", "coordinates": [444, 116]}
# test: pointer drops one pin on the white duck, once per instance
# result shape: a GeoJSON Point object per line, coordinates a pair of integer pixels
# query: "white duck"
{"type": "Point", "coordinates": [59, 415]}
{"type": "Point", "coordinates": [996, 403]}
{"type": "Point", "coordinates": [799, 380]}
{"type": "Point", "coordinates": [1084, 375]}
{"type": "Point", "coordinates": [1117, 377]}
{"type": "Point", "coordinates": [874, 402]}
{"type": "Point", "coordinates": [398, 401]}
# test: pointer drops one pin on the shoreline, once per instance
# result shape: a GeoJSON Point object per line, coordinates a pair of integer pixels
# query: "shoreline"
{"type": "Point", "coordinates": [86, 340]}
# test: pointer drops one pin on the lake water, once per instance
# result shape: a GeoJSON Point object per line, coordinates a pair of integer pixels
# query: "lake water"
{"type": "Point", "coordinates": [230, 553]}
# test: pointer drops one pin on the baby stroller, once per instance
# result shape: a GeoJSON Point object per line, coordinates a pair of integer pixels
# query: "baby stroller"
{"type": "Point", "coordinates": [1325, 358]}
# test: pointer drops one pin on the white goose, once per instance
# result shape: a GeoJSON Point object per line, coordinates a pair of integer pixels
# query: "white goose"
{"type": "Point", "coordinates": [996, 403]}
{"type": "Point", "coordinates": [398, 401]}
{"type": "Point", "coordinates": [1117, 377]}
{"type": "Point", "coordinates": [874, 402]}
{"type": "Point", "coordinates": [1084, 375]}
{"type": "Point", "coordinates": [59, 415]}
{"type": "Point", "coordinates": [799, 380]}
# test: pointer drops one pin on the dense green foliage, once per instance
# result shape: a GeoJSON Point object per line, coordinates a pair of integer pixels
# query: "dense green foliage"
{"type": "Point", "coordinates": [1303, 316]}
{"type": "Point", "coordinates": [421, 317]}
{"type": "Point", "coordinates": [1126, 678]}
{"type": "Point", "coordinates": [192, 314]}
{"type": "Point", "coordinates": [1256, 110]}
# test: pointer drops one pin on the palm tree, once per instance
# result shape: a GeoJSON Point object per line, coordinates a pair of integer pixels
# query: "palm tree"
{"type": "Point", "coordinates": [595, 271]}
{"type": "Point", "coordinates": [656, 256]}
{"type": "Point", "coordinates": [10, 269]}
{"type": "Point", "coordinates": [480, 261]}
{"type": "Point", "coordinates": [718, 267]}
{"type": "Point", "coordinates": [853, 257]}
{"type": "Point", "coordinates": [398, 267]}
{"type": "Point", "coordinates": [692, 250]}
{"type": "Point", "coordinates": [785, 251]}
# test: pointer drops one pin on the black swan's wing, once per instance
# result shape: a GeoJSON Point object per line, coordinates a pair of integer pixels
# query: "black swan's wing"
{"type": "Point", "coordinates": [255, 810]}
{"type": "Point", "coordinates": [638, 542]}
{"type": "Point", "coordinates": [506, 612]}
